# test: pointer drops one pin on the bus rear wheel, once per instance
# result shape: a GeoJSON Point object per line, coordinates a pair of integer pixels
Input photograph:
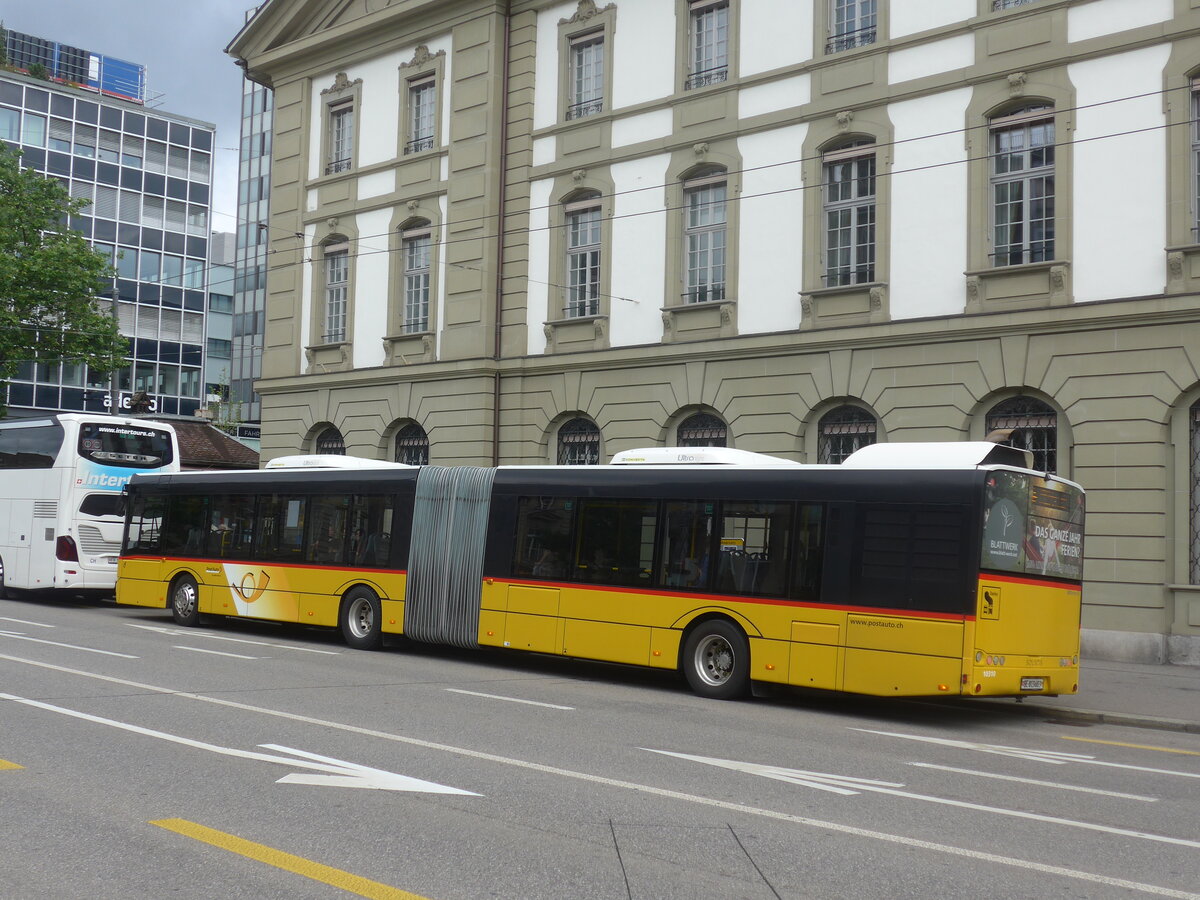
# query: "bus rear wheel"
{"type": "Point", "coordinates": [3, 589]}
{"type": "Point", "coordinates": [361, 619]}
{"type": "Point", "coordinates": [185, 601]}
{"type": "Point", "coordinates": [716, 660]}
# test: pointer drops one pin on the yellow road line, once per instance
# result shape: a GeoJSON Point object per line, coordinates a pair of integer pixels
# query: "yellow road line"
{"type": "Point", "coordinates": [5, 764]}
{"type": "Point", "coordinates": [355, 884]}
{"type": "Point", "coordinates": [1134, 746]}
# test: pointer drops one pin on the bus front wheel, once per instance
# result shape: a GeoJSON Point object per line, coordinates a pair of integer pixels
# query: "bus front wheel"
{"type": "Point", "coordinates": [185, 601]}
{"type": "Point", "coordinates": [361, 619]}
{"type": "Point", "coordinates": [716, 660]}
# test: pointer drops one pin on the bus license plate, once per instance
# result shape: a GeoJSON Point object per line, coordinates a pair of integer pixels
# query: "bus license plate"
{"type": "Point", "coordinates": [1033, 684]}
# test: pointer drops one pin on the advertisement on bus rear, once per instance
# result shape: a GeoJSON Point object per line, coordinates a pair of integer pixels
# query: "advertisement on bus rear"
{"type": "Point", "coordinates": [1033, 526]}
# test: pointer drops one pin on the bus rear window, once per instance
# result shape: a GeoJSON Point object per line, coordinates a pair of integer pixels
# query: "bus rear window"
{"type": "Point", "coordinates": [1033, 526]}
{"type": "Point", "coordinates": [128, 446]}
{"type": "Point", "coordinates": [109, 504]}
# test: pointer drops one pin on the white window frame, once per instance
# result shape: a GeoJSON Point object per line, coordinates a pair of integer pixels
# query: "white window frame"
{"type": "Point", "coordinates": [422, 114]}
{"type": "Point", "coordinates": [585, 80]}
{"type": "Point", "coordinates": [1015, 170]}
{"type": "Point", "coordinates": [850, 241]}
{"type": "Point", "coordinates": [852, 23]}
{"type": "Point", "coordinates": [341, 137]}
{"type": "Point", "coordinates": [584, 249]}
{"type": "Point", "coordinates": [708, 43]}
{"type": "Point", "coordinates": [705, 237]}
{"type": "Point", "coordinates": [417, 252]}
{"type": "Point", "coordinates": [337, 286]}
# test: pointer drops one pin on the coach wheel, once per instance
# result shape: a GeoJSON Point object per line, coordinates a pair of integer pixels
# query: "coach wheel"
{"type": "Point", "coordinates": [716, 660]}
{"type": "Point", "coordinates": [185, 601]}
{"type": "Point", "coordinates": [362, 619]}
{"type": "Point", "coordinates": [3, 590]}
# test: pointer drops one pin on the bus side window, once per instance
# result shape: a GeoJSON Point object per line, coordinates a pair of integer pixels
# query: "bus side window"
{"type": "Point", "coordinates": [186, 525]}
{"type": "Point", "coordinates": [371, 530]}
{"type": "Point", "coordinates": [685, 551]}
{"type": "Point", "coordinates": [615, 542]}
{"type": "Point", "coordinates": [328, 536]}
{"type": "Point", "coordinates": [543, 543]}
{"type": "Point", "coordinates": [231, 526]}
{"type": "Point", "coordinates": [755, 536]}
{"type": "Point", "coordinates": [145, 523]}
{"type": "Point", "coordinates": [809, 553]}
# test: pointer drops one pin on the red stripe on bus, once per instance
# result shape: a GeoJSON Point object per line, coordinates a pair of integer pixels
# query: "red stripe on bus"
{"type": "Point", "coordinates": [1036, 582]}
{"type": "Point", "coordinates": [762, 601]}
{"type": "Point", "coordinates": [260, 563]}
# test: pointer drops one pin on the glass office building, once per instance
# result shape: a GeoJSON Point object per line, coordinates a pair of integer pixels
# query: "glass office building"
{"type": "Point", "coordinates": [148, 177]}
{"type": "Point", "coordinates": [250, 280]}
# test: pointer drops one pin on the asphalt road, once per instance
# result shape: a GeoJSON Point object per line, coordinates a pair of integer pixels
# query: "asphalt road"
{"type": "Point", "coordinates": [140, 760]}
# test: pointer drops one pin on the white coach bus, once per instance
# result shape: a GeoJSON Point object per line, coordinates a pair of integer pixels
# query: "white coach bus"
{"type": "Point", "coordinates": [61, 501]}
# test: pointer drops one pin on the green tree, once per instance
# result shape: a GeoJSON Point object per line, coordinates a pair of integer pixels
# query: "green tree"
{"type": "Point", "coordinates": [50, 279]}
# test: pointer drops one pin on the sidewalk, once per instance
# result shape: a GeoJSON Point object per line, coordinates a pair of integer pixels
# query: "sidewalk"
{"type": "Point", "coordinates": [1116, 693]}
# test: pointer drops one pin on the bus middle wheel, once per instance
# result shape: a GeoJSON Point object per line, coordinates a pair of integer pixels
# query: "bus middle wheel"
{"type": "Point", "coordinates": [361, 619]}
{"type": "Point", "coordinates": [716, 660]}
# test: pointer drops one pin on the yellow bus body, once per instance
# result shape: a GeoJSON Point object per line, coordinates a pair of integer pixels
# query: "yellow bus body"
{"type": "Point", "coordinates": [841, 648]}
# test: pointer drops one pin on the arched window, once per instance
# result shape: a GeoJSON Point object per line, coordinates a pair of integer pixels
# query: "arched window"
{"type": "Point", "coordinates": [1027, 424]}
{"type": "Point", "coordinates": [412, 445]}
{"type": "Point", "coordinates": [579, 443]}
{"type": "Point", "coordinates": [336, 261]}
{"type": "Point", "coordinates": [330, 442]}
{"type": "Point", "coordinates": [843, 430]}
{"type": "Point", "coordinates": [702, 430]}
{"type": "Point", "coordinates": [1022, 185]}
{"type": "Point", "coordinates": [850, 214]}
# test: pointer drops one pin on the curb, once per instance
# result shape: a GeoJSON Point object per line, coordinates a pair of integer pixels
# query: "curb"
{"type": "Point", "coordinates": [1099, 717]}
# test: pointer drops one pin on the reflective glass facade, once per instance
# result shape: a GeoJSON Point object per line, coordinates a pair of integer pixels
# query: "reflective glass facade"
{"type": "Point", "coordinates": [148, 177]}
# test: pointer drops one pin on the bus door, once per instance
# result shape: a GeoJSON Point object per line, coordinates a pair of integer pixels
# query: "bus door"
{"type": "Point", "coordinates": [235, 584]}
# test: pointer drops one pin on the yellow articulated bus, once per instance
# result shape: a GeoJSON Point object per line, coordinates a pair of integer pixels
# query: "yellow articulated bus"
{"type": "Point", "coordinates": [909, 570]}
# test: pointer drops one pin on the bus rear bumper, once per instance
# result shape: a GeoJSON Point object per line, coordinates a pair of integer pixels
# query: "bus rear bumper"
{"type": "Point", "coordinates": [1022, 681]}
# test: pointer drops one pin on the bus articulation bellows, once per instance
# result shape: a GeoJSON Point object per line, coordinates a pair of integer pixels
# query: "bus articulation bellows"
{"type": "Point", "coordinates": [909, 570]}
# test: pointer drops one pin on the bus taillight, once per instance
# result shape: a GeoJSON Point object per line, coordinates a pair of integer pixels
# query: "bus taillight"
{"type": "Point", "coordinates": [65, 549]}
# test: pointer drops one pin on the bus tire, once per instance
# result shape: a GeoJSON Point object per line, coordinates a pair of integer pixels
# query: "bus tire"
{"type": "Point", "coordinates": [185, 601]}
{"type": "Point", "coordinates": [361, 619]}
{"type": "Point", "coordinates": [716, 660]}
{"type": "Point", "coordinates": [3, 589]}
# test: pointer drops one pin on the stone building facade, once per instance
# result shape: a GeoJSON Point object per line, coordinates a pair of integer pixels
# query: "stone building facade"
{"type": "Point", "coordinates": [536, 232]}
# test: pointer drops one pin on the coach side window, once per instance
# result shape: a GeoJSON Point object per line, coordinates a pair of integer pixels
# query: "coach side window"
{"type": "Point", "coordinates": [543, 543]}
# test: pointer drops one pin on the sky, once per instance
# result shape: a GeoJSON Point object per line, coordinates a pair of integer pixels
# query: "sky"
{"type": "Point", "coordinates": [182, 46]}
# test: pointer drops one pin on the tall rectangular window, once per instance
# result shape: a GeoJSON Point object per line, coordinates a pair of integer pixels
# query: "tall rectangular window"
{"type": "Point", "coordinates": [1196, 160]}
{"type": "Point", "coordinates": [337, 277]}
{"type": "Point", "coordinates": [708, 40]}
{"type": "Point", "coordinates": [586, 76]}
{"type": "Point", "coordinates": [1022, 183]}
{"type": "Point", "coordinates": [421, 97]}
{"type": "Point", "coordinates": [583, 258]}
{"type": "Point", "coordinates": [341, 138]}
{"type": "Point", "coordinates": [704, 238]}
{"type": "Point", "coordinates": [852, 24]}
{"type": "Point", "coordinates": [417, 247]}
{"type": "Point", "coordinates": [850, 215]}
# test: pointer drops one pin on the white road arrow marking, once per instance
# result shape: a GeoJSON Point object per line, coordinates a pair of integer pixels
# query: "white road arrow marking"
{"type": "Point", "coordinates": [1047, 756]}
{"type": "Point", "coordinates": [192, 632]}
{"type": "Point", "coordinates": [335, 772]}
{"type": "Point", "coordinates": [840, 784]}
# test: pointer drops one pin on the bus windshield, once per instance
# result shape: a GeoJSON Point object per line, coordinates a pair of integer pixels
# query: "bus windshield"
{"type": "Point", "coordinates": [127, 446]}
{"type": "Point", "coordinates": [1033, 526]}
